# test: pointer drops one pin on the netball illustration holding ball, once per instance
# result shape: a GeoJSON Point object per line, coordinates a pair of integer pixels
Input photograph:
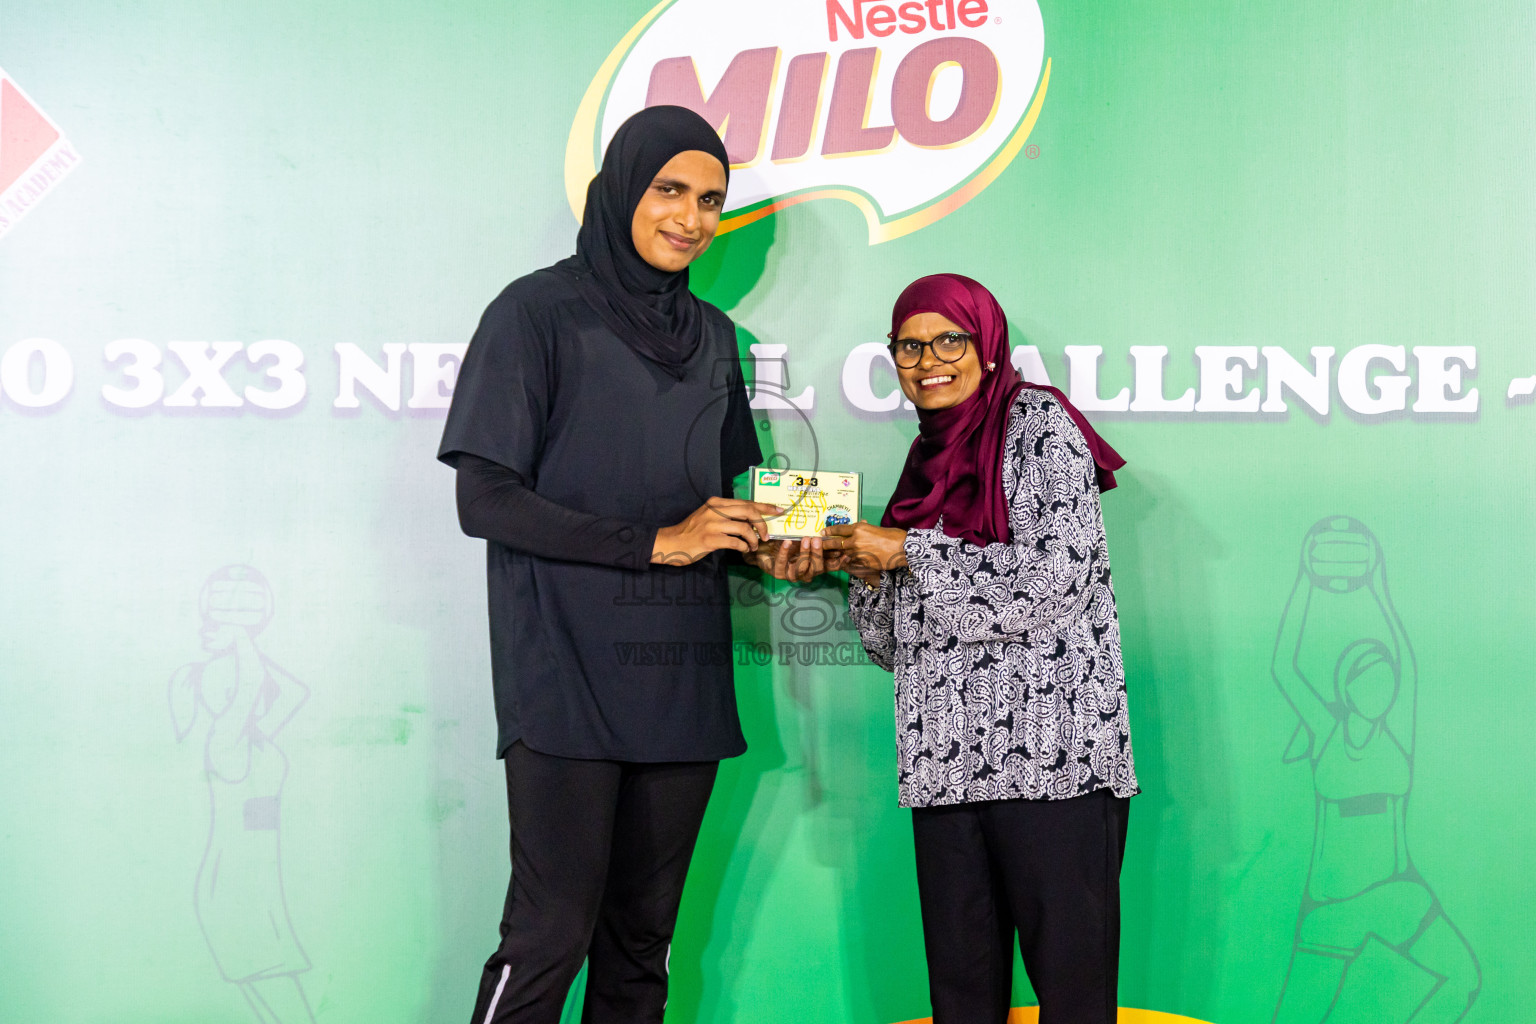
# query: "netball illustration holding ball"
{"type": "Point", "coordinates": [239, 700]}
{"type": "Point", "coordinates": [1372, 942]}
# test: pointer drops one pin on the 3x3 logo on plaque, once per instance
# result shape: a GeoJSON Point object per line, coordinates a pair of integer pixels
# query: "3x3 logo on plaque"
{"type": "Point", "coordinates": [905, 109]}
{"type": "Point", "coordinates": [34, 154]}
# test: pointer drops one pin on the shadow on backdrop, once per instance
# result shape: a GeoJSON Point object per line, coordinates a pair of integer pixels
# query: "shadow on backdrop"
{"type": "Point", "coordinates": [1180, 836]}
{"type": "Point", "coordinates": [818, 763]}
{"type": "Point", "coordinates": [750, 816]}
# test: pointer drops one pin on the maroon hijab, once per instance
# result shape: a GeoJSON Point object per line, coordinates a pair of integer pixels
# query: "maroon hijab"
{"type": "Point", "coordinates": [955, 467]}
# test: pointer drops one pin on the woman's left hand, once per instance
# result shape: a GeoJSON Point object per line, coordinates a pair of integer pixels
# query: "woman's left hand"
{"type": "Point", "coordinates": [798, 561]}
{"type": "Point", "coordinates": [864, 546]}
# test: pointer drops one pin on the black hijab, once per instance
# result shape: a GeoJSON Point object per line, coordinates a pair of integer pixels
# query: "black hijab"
{"type": "Point", "coordinates": [651, 310]}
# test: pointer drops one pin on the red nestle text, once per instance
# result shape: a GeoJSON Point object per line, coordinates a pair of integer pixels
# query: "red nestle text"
{"type": "Point", "coordinates": [912, 17]}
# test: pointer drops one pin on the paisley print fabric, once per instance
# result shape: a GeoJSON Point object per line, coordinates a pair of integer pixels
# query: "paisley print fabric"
{"type": "Point", "coordinates": [1009, 682]}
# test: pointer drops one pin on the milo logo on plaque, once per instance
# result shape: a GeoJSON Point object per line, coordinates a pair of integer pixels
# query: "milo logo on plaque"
{"type": "Point", "coordinates": [906, 110]}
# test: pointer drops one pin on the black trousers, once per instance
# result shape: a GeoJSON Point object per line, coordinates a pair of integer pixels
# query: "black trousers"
{"type": "Point", "coordinates": [1046, 870]}
{"type": "Point", "coordinates": [600, 850]}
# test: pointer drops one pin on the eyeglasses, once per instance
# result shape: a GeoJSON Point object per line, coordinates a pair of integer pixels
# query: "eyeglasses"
{"type": "Point", "coordinates": [948, 347]}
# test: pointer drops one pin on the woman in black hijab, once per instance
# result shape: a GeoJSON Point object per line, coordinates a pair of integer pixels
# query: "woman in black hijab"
{"type": "Point", "coordinates": [597, 423]}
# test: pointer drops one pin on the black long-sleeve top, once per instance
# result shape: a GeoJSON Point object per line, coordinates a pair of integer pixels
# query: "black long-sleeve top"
{"type": "Point", "coordinates": [496, 503]}
{"type": "Point", "coordinates": [570, 450]}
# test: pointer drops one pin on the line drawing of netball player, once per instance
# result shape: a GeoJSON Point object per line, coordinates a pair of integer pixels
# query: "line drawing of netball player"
{"type": "Point", "coordinates": [1372, 942]}
{"type": "Point", "coordinates": [241, 700]}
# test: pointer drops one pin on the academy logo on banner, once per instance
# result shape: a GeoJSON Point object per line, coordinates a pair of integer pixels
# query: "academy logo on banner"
{"type": "Point", "coordinates": [34, 154]}
{"type": "Point", "coordinates": [906, 110]}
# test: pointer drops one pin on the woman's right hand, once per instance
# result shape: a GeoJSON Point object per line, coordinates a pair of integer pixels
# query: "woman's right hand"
{"type": "Point", "coordinates": [720, 524]}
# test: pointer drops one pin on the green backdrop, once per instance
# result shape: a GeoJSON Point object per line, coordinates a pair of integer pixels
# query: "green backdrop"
{"type": "Point", "coordinates": [1205, 174]}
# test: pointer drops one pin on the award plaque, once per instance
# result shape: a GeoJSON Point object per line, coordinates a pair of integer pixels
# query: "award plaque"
{"type": "Point", "coordinates": [811, 499]}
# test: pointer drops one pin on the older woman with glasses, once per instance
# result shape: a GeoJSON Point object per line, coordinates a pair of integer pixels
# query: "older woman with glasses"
{"type": "Point", "coordinates": [986, 589]}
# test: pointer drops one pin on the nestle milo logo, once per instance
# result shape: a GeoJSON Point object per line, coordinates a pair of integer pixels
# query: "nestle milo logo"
{"type": "Point", "coordinates": [907, 110]}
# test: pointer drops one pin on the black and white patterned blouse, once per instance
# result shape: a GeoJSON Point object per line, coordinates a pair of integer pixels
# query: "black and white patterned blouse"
{"type": "Point", "coordinates": [1009, 682]}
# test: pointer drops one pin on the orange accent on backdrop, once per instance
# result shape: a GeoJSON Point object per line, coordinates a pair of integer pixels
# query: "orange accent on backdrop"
{"type": "Point", "coordinates": [1031, 1015]}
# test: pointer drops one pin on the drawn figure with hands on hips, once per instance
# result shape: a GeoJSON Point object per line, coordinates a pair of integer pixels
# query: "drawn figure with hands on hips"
{"type": "Point", "coordinates": [243, 700]}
